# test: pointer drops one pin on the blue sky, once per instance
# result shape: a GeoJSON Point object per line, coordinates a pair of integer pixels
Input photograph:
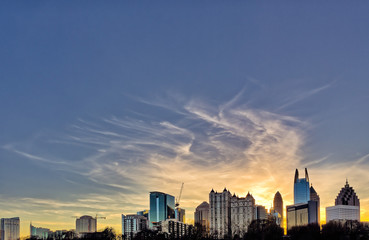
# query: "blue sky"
{"type": "Point", "coordinates": [103, 102]}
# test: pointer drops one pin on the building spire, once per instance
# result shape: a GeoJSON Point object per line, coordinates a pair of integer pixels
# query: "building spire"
{"type": "Point", "coordinates": [296, 175]}
{"type": "Point", "coordinates": [306, 175]}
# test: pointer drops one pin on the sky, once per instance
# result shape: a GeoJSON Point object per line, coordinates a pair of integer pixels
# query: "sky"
{"type": "Point", "coordinates": [102, 102]}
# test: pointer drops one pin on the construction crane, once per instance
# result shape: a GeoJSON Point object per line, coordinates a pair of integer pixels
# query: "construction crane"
{"type": "Point", "coordinates": [179, 197]}
{"type": "Point", "coordinates": [97, 218]}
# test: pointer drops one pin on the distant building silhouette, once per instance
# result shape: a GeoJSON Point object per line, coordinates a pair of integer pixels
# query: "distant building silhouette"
{"type": "Point", "coordinates": [220, 213]}
{"type": "Point", "coordinates": [9, 228]}
{"type": "Point", "coordinates": [243, 211]}
{"type": "Point", "coordinates": [347, 206]}
{"type": "Point", "coordinates": [278, 205]}
{"type": "Point", "coordinates": [202, 217]}
{"type": "Point", "coordinates": [162, 207]}
{"type": "Point", "coordinates": [85, 224]}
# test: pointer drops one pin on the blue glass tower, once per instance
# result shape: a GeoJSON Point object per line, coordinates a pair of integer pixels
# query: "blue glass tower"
{"type": "Point", "coordinates": [162, 207]}
{"type": "Point", "coordinates": [301, 188]}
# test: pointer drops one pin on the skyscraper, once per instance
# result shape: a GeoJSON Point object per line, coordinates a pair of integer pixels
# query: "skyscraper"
{"type": "Point", "coordinates": [220, 213]}
{"type": "Point", "coordinates": [243, 211]}
{"type": "Point", "coordinates": [85, 224]}
{"type": "Point", "coordinates": [278, 204]}
{"type": "Point", "coordinates": [306, 208]}
{"type": "Point", "coordinates": [301, 190]}
{"type": "Point", "coordinates": [180, 214]}
{"type": "Point", "coordinates": [347, 206]}
{"type": "Point", "coordinates": [162, 207]}
{"type": "Point", "coordinates": [315, 197]}
{"type": "Point", "coordinates": [9, 228]}
{"type": "Point", "coordinates": [202, 217]}
{"type": "Point", "coordinates": [347, 196]}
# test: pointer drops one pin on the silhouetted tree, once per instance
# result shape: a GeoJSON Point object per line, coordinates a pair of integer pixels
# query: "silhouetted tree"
{"type": "Point", "coordinates": [309, 232]}
{"type": "Point", "coordinates": [264, 230]}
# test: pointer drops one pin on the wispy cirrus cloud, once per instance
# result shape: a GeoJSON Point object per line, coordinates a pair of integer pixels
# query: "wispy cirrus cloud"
{"type": "Point", "coordinates": [204, 145]}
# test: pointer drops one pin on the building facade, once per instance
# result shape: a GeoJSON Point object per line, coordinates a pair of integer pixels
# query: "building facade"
{"type": "Point", "coordinates": [342, 213]}
{"type": "Point", "coordinates": [306, 208]}
{"type": "Point", "coordinates": [220, 213]}
{"type": "Point", "coordinates": [301, 190]}
{"type": "Point", "coordinates": [39, 233]}
{"type": "Point", "coordinates": [347, 206]}
{"type": "Point", "coordinates": [175, 229]}
{"type": "Point", "coordinates": [201, 217]}
{"type": "Point", "coordinates": [162, 207]}
{"type": "Point", "coordinates": [180, 214]}
{"type": "Point", "coordinates": [242, 213]}
{"type": "Point", "coordinates": [260, 213]}
{"type": "Point", "coordinates": [133, 224]}
{"type": "Point", "coordinates": [85, 224]}
{"type": "Point", "coordinates": [9, 228]}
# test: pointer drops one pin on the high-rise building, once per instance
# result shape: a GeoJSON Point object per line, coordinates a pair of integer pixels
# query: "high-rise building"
{"type": "Point", "coordinates": [242, 213]}
{"type": "Point", "coordinates": [220, 213]}
{"type": "Point", "coordinates": [301, 190]}
{"type": "Point", "coordinates": [39, 233]}
{"type": "Point", "coordinates": [202, 217]}
{"type": "Point", "coordinates": [133, 224]}
{"type": "Point", "coordinates": [306, 208]}
{"type": "Point", "coordinates": [347, 206]}
{"type": "Point", "coordinates": [162, 207]}
{"type": "Point", "coordinates": [180, 214]}
{"type": "Point", "coordinates": [315, 197]}
{"type": "Point", "coordinates": [260, 213]}
{"type": "Point", "coordinates": [85, 224]}
{"type": "Point", "coordinates": [278, 205]}
{"type": "Point", "coordinates": [347, 196]}
{"type": "Point", "coordinates": [9, 228]}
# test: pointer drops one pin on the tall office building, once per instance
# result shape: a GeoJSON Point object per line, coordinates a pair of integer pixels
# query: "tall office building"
{"type": "Point", "coordinates": [306, 208]}
{"type": "Point", "coordinates": [202, 217]}
{"type": "Point", "coordinates": [85, 224]}
{"type": "Point", "coordinates": [162, 207]}
{"type": "Point", "coordinates": [315, 197]}
{"type": "Point", "coordinates": [260, 213]}
{"type": "Point", "coordinates": [9, 228]}
{"type": "Point", "coordinates": [180, 214]}
{"type": "Point", "coordinates": [347, 206]}
{"type": "Point", "coordinates": [278, 205]}
{"type": "Point", "coordinates": [133, 224]}
{"type": "Point", "coordinates": [347, 196]}
{"type": "Point", "coordinates": [243, 211]}
{"type": "Point", "coordinates": [301, 190]}
{"type": "Point", "coordinates": [220, 213]}
{"type": "Point", "coordinates": [39, 233]}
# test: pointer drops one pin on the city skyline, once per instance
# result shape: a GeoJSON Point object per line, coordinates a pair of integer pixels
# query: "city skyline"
{"type": "Point", "coordinates": [103, 103]}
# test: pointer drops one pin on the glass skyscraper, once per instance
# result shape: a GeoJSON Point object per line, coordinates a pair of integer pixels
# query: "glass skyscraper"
{"type": "Point", "coordinates": [301, 188]}
{"type": "Point", "coordinates": [162, 207]}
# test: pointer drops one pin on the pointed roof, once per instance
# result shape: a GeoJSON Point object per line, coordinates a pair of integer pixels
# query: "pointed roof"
{"type": "Point", "coordinates": [296, 175]}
